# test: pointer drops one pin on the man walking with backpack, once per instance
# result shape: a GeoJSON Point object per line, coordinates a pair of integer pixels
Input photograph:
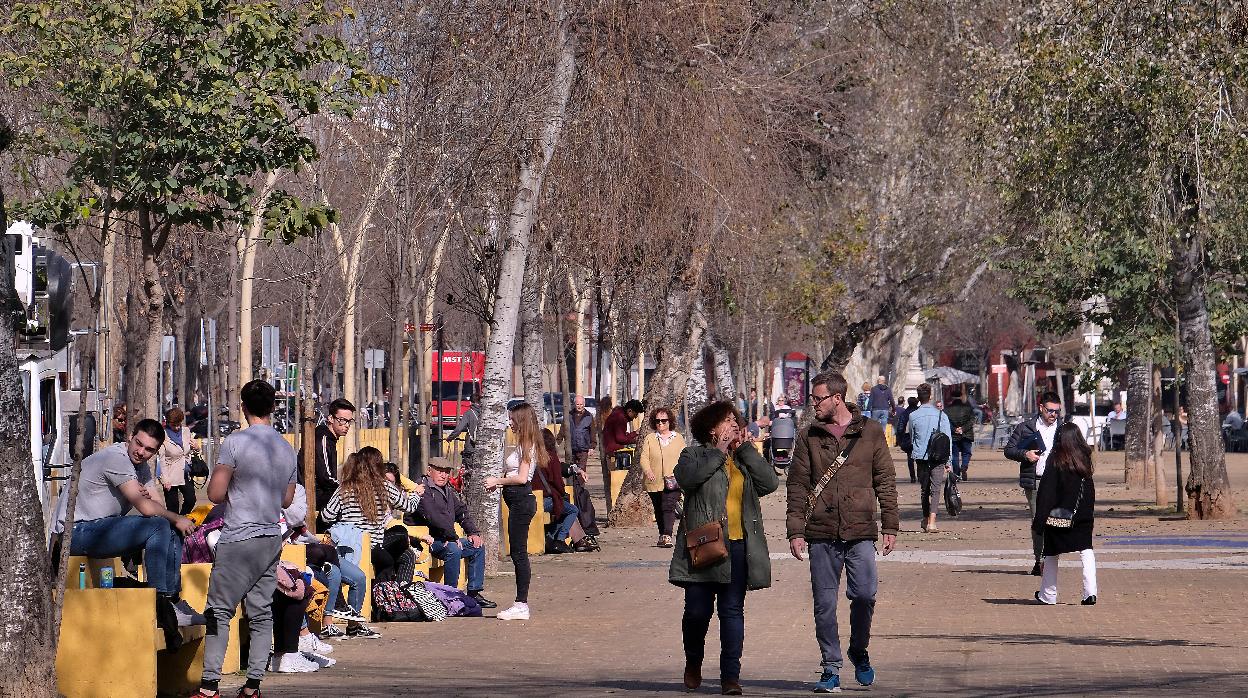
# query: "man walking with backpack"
{"type": "Point", "coordinates": [840, 464]}
{"type": "Point", "coordinates": [930, 439]}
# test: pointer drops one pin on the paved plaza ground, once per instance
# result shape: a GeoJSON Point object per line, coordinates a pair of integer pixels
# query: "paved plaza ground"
{"type": "Point", "coordinates": [955, 614]}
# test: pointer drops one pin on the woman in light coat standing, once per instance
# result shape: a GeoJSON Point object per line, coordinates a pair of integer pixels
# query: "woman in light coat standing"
{"type": "Point", "coordinates": [175, 463]}
{"type": "Point", "coordinates": [1066, 490]}
{"type": "Point", "coordinates": [659, 452]}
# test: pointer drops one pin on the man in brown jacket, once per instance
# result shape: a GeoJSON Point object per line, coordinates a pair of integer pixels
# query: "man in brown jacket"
{"type": "Point", "coordinates": [840, 525]}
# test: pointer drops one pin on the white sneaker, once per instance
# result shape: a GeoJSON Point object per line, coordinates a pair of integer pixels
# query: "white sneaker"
{"type": "Point", "coordinates": [518, 611]}
{"type": "Point", "coordinates": [348, 615]}
{"type": "Point", "coordinates": [312, 643]}
{"type": "Point", "coordinates": [319, 659]}
{"type": "Point", "coordinates": [292, 663]}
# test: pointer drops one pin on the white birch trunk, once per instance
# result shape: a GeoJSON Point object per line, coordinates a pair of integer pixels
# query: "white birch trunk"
{"type": "Point", "coordinates": [349, 267]}
{"type": "Point", "coordinates": [725, 382]}
{"type": "Point", "coordinates": [248, 243]}
{"type": "Point", "coordinates": [501, 346]}
{"type": "Point", "coordinates": [532, 346]}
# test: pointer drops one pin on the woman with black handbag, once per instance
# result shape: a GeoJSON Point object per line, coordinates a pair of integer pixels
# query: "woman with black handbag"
{"type": "Point", "coordinates": [1065, 503]}
{"type": "Point", "coordinates": [721, 549]}
{"type": "Point", "coordinates": [659, 452]}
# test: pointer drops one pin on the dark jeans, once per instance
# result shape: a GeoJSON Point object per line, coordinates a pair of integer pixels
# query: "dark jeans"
{"type": "Point", "coordinates": [112, 536]}
{"type": "Point", "coordinates": [960, 456]}
{"type": "Point", "coordinates": [452, 552]}
{"type": "Point", "coordinates": [702, 599]}
{"type": "Point", "coordinates": [287, 622]}
{"type": "Point", "coordinates": [665, 509]}
{"type": "Point", "coordinates": [910, 466]}
{"type": "Point", "coordinates": [827, 559]}
{"type": "Point", "coordinates": [521, 507]}
{"type": "Point", "coordinates": [185, 492]}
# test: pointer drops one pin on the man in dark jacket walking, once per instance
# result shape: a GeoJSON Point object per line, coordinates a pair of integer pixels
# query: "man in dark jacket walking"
{"type": "Point", "coordinates": [840, 466]}
{"type": "Point", "coordinates": [580, 425]}
{"type": "Point", "coordinates": [962, 417]}
{"type": "Point", "coordinates": [1030, 444]}
{"type": "Point", "coordinates": [880, 403]}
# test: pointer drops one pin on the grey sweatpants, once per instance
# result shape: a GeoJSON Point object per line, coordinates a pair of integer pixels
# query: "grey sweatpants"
{"type": "Point", "coordinates": [243, 572]}
{"type": "Point", "coordinates": [857, 559]}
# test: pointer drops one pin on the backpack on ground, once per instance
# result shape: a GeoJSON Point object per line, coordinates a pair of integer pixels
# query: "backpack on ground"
{"type": "Point", "coordinates": [403, 602]}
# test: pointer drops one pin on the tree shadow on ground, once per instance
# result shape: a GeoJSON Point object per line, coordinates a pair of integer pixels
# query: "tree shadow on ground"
{"type": "Point", "coordinates": [1041, 639]}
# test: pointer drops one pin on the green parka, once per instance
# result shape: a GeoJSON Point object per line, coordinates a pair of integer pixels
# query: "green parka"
{"type": "Point", "coordinates": [704, 482]}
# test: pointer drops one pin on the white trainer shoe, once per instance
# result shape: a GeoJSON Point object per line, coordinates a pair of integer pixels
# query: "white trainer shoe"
{"type": "Point", "coordinates": [320, 660]}
{"type": "Point", "coordinates": [312, 643]}
{"type": "Point", "coordinates": [518, 611]}
{"type": "Point", "coordinates": [292, 663]}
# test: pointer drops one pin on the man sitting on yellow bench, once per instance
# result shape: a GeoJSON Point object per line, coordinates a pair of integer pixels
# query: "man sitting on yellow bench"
{"type": "Point", "coordinates": [440, 509]}
{"type": "Point", "coordinates": [112, 482]}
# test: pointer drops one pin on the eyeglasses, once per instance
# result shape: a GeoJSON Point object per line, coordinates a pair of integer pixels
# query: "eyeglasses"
{"type": "Point", "coordinates": [344, 421]}
{"type": "Point", "coordinates": [661, 421]}
{"type": "Point", "coordinates": [1052, 410]}
{"type": "Point", "coordinates": [815, 399]}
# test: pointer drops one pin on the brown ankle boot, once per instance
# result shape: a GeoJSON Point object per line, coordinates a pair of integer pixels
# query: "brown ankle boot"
{"type": "Point", "coordinates": [693, 677]}
{"type": "Point", "coordinates": [728, 687]}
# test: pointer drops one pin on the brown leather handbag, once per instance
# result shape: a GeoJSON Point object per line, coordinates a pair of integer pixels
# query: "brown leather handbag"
{"type": "Point", "coordinates": [707, 544]}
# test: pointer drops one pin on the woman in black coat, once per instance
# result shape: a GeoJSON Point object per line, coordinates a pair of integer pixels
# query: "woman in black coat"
{"type": "Point", "coordinates": [1067, 484]}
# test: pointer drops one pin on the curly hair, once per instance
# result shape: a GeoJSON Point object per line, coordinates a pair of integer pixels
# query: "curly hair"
{"type": "Point", "coordinates": [704, 421]}
{"type": "Point", "coordinates": [364, 480]}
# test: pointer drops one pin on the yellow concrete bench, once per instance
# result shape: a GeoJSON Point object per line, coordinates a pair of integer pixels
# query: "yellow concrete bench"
{"type": "Point", "coordinates": [537, 531]}
{"type": "Point", "coordinates": [617, 481]}
{"type": "Point", "coordinates": [110, 646]}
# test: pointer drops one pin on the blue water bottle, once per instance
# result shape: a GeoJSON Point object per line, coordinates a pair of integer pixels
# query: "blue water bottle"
{"type": "Point", "coordinates": [82, 575]}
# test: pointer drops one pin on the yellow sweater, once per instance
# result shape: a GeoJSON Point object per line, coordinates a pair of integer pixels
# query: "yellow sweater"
{"type": "Point", "coordinates": [659, 459]}
{"type": "Point", "coordinates": [736, 491]}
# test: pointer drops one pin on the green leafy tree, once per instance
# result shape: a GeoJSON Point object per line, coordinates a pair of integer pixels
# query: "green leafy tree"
{"type": "Point", "coordinates": [1122, 150]}
{"type": "Point", "coordinates": [156, 117]}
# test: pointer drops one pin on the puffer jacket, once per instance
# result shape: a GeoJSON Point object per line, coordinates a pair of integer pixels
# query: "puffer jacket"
{"type": "Point", "coordinates": [845, 509]}
{"type": "Point", "coordinates": [701, 476]}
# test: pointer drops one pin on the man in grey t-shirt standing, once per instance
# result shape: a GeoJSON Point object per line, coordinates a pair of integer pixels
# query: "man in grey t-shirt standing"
{"type": "Point", "coordinates": [111, 484]}
{"type": "Point", "coordinates": [255, 479]}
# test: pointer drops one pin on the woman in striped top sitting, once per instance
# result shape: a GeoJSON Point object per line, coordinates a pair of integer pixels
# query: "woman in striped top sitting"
{"type": "Point", "coordinates": [364, 500]}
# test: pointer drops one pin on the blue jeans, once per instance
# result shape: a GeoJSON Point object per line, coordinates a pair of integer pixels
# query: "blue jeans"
{"type": "Point", "coordinates": [857, 559]}
{"type": "Point", "coordinates": [452, 552]}
{"type": "Point", "coordinates": [880, 416]}
{"type": "Point", "coordinates": [570, 512]}
{"type": "Point", "coordinates": [704, 598]}
{"type": "Point", "coordinates": [124, 535]}
{"type": "Point", "coordinates": [960, 453]}
{"type": "Point", "coordinates": [346, 572]}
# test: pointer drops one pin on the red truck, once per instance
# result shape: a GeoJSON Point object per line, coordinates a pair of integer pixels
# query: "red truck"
{"type": "Point", "coordinates": [461, 375]}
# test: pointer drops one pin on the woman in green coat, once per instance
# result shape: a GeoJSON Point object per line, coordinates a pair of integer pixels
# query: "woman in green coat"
{"type": "Point", "coordinates": [722, 479]}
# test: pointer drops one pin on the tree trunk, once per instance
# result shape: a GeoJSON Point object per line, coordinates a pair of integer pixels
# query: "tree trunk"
{"type": "Point", "coordinates": [725, 382]}
{"type": "Point", "coordinates": [696, 394]}
{"type": "Point", "coordinates": [501, 346]}
{"type": "Point", "coordinates": [1208, 489]}
{"type": "Point", "coordinates": [397, 362]}
{"type": "Point", "coordinates": [1139, 442]}
{"type": "Point", "coordinates": [233, 351]}
{"type": "Point", "coordinates": [27, 645]}
{"type": "Point", "coordinates": [1158, 440]}
{"type": "Point", "coordinates": [683, 333]}
{"type": "Point", "coordinates": [307, 406]}
{"type": "Point", "coordinates": [248, 245]}
{"type": "Point", "coordinates": [532, 349]}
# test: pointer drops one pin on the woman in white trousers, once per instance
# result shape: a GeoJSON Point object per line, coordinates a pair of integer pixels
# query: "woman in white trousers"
{"type": "Point", "coordinates": [1065, 504]}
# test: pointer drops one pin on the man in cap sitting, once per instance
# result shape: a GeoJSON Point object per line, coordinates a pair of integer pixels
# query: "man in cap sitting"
{"type": "Point", "coordinates": [440, 509]}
